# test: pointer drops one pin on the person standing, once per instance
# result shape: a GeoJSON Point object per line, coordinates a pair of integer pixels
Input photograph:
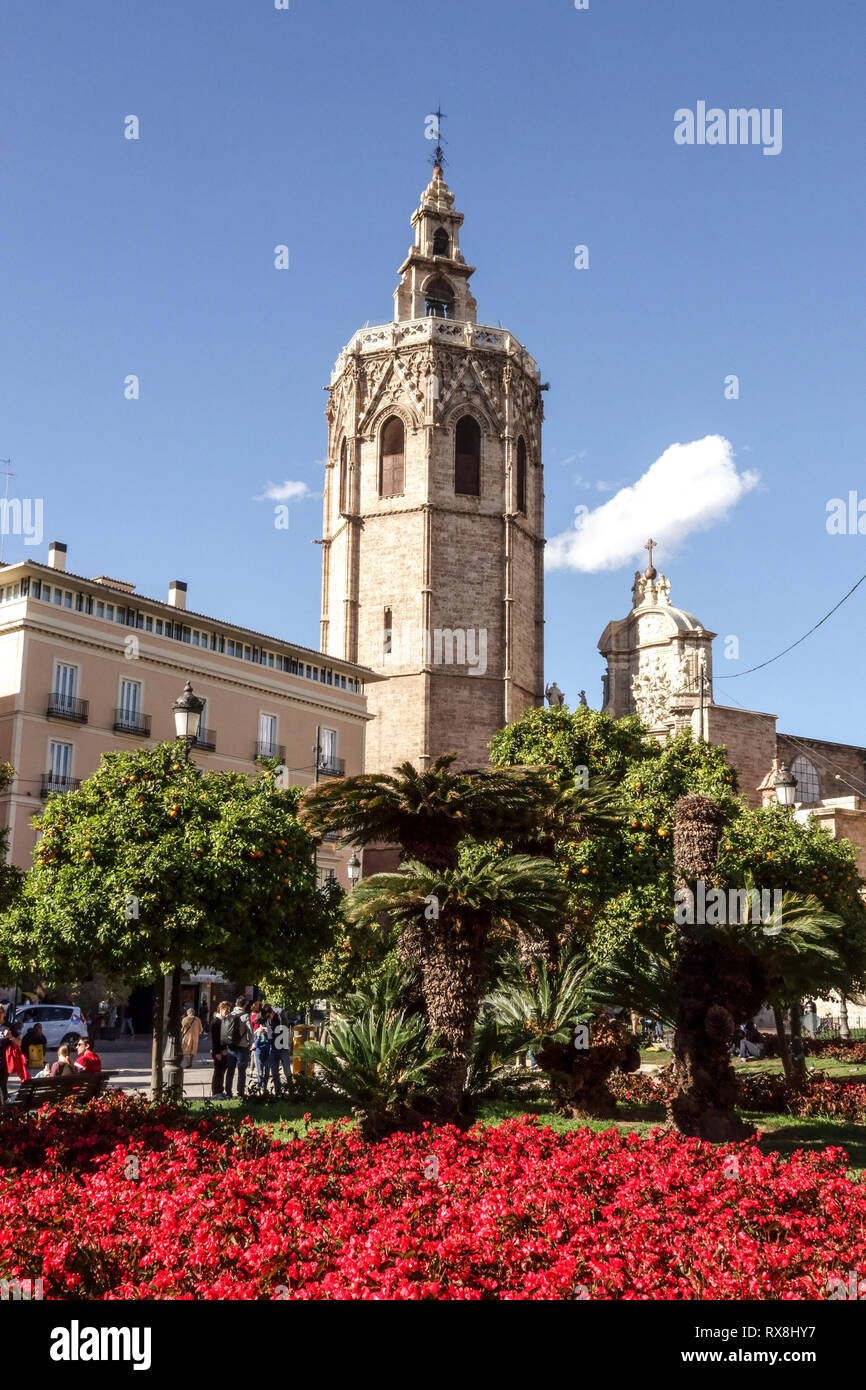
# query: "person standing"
{"type": "Point", "coordinates": [262, 1044]}
{"type": "Point", "coordinates": [281, 1049]}
{"type": "Point", "coordinates": [810, 1017]}
{"type": "Point", "coordinates": [237, 1036]}
{"type": "Point", "coordinates": [34, 1043]}
{"type": "Point", "coordinates": [218, 1051]}
{"type": "Point", "coordinates": [190, 1032]}
{"type": "Point", "coordinates": [127, 1026]}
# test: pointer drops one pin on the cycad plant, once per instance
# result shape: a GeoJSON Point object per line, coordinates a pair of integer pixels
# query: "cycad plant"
{"type": "Point", "coordinates": [553, 1009]}
{"type": "Point", "coordinates": [381, 1063]}
{"type": "Point", "coordinates": [445, 917]}
{"type": "Point", "coordinates": [427, 813]}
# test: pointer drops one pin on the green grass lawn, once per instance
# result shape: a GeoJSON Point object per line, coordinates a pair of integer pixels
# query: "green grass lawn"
{"type": "Point", "coordinates": [780, 1133]}
{"type": "Point", "coordinates": [834, 1069]}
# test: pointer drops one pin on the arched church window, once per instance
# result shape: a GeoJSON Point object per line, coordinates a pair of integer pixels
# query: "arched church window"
{"type": "Point", "coordinates": [467, 457]}
{"type": "Point", "coordinates": [441, 242]}
{"type": "Point", "coordinates": [343, 475]}
{"type": "Point", "coordinates": [439, 300]}
{"type": "Point", "coordinates": [520, 492]}
{"type": "Point", "coordinates": [392, 468]}
{"type": "Point", "coordinates": [808, 781]}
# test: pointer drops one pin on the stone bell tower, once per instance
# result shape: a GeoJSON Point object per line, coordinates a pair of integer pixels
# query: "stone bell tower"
{"type": "Point", "coordinates": [434, 510]}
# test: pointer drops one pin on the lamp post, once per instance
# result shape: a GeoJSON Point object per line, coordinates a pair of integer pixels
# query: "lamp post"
{"type": "Point", "coordinates": [187, 717]}
{"type": "Point", "coordinates": [785, 786]}
{"type": "Point", "coordinates": [353, 869]}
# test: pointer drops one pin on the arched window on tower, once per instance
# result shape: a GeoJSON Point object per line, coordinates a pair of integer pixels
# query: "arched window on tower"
{"type": "Point", "coordinates": [467, 457]}
{"type": "Point", "coordinates": [392, 467]}
{"type": "Point", "coordinates": [808, 781]}
{"type": "Point", "coordinates": [438, 299]}
{"type": "Point", "coordinates": [343, 476]}
{"type": "Point", "coordinates": [520, 489]}
{"type": "Point", "coordinates": [441, 243]}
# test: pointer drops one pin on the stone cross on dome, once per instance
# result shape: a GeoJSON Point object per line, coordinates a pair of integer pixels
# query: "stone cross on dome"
{"type": "Point", "coordinates": [650, 571]}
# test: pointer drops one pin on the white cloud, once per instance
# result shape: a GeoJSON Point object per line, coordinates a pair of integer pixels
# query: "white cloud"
{"type": "Point", "coordinates": [283, 492]}
{"type": "Point", "coordinates": [691, 487]}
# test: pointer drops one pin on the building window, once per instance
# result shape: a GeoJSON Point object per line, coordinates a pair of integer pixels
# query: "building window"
{"type": "Point", "coordinates": [387, 632]}
{"type": "Point", "coordinates": [467, 457]}
{"type": "Point", "coordinates": [148, 624]}
{"type": "Point", "coordinates": [267, 736]}
{"type": "Point", "coordinates": [440, 242]}
{"type": "Point", "coordinates": [344, 450]}
{"type": "Point", "coordinates": [438, 300]}
{"type": "Point", "coordinates": [520, 491]}
{"type": "Point", "coordinates": [808, 782]}
{"type": "Point", "coordinates": [65, 686]}
{"type": "Point", "coordinates": [60, 762]}
{"type": "Point", "coordinates": [130, 701]}
{"type": "Point", "coordinates": [392, 470]}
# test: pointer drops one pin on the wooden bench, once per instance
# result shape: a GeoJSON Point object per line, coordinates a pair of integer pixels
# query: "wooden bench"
{"type": "Point", "coordinates": [43, 1090]}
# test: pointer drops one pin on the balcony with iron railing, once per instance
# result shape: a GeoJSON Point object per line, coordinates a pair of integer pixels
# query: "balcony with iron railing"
{"type": "Point", "coordinates": [206, 739]}
{"type": "Point", "coordinates": [331, 767]}
{"type": "Point", "coordinates": [67, 707]}
{"type": "Point", "coordinates": [129, 721]}
{"type": "Point", "coordinates": [54, 782]}
{"type": "Point", "coordinates": [269, 750]}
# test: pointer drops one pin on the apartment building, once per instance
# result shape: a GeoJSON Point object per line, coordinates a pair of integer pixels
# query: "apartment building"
{"type": "Point", "coordinates": [89, 665]}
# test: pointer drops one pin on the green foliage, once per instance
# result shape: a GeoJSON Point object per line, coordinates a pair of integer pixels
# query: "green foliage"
{"type": "Point", "coordinates": [379, 1061]}
{"type": "Point", "coordinates": [428, 813]}
{"type": "Point", "coordinates": [540, 1006]}
{"type": "Point", "coordinates": [152, 863]}
{"type": "Point", "coordinates": [772, 850]}
{"type": "Point", "coordinates": [489, 891]}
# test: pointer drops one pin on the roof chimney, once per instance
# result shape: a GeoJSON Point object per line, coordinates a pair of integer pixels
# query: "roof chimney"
{"type": "Point", "coordinates": [177, 593]}
{"type": "Point", "coordinates": [57, 555]}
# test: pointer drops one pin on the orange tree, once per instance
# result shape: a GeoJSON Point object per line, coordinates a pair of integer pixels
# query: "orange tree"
{"type": "Point", "coordinates": [621, 883]}
{"type": "Point", "coordinates": [153, 863]}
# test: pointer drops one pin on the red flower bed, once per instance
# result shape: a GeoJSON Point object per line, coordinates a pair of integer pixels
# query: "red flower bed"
{"type": "Point", "coordinates": [127, 1201]}
{"type": "Point", "coordinates": [767, 1091]}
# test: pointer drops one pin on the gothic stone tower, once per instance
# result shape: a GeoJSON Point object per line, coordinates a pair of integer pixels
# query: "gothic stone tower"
{"type": "Point", "coordinates": [433, 511]}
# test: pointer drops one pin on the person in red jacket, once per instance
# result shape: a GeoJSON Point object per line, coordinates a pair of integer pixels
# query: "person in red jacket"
{"type": "Point", "coordinates": [86, 1059]}
{"type": "Point", "coordinates": [13, 1058]}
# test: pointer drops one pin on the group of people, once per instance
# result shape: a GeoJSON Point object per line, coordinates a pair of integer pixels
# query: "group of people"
{"type": "Point", "coordinates": [236, 1033]}
{"type": "Point", "coordinates": [17, 1052]}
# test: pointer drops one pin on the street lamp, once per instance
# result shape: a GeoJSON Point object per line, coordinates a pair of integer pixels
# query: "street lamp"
{"type": "Point", "coordinates": [786, 786]}
{"type": "Point", "coordinates": [187, 717]}
{"type": "Point", "coordinates": [353, 869]}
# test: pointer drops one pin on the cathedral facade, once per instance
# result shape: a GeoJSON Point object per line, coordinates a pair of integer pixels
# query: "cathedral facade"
{"type": "Point", "coordinates": [433, 532]}
{"type": "Point", "coordinates": [660, 667]}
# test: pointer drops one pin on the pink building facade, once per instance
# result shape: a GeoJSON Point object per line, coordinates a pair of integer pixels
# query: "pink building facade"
{"type": "Point", "coordinates": [88, 665]}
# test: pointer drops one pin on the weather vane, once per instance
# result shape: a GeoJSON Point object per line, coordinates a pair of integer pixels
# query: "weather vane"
{"type": "Point", "coordinates": [437, 156]}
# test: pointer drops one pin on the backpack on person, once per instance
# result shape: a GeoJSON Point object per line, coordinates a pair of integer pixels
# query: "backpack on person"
{"type": "Point", "coordinates": [234, 1030]}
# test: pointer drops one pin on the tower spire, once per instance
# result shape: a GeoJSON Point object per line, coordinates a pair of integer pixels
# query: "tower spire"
{"type": "Point", "coordinates": [438, 157]}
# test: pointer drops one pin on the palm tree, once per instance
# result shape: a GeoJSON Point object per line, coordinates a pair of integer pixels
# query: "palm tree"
{"type": "Point", "coordinates": [445, 917]}
{"type": "Point", "coordinates": [428, 813]}
{"type": "Point", "coordinates": [796, 953]}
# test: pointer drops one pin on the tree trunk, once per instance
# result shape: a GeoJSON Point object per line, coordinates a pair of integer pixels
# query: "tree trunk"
{"type": "Point", "coordinates": [798, 1051]}
{"type": "Point", "coordinates": [708, 981]}
{"type": "Point", "coordinates": [156, 1042]}
{"type": "Point", "coordinates": [173, 1055]}
{"type": "Point", "coordinates": [452, 980]}
{"type": "Point", "coordinates": [784, 1049]}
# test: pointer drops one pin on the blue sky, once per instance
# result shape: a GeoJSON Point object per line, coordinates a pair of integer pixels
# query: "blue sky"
{"type": "Point", "coordinates": [306, 127]}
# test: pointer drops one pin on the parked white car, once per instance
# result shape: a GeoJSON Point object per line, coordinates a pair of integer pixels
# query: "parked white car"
{"type": "Point", "coordinates": [60, 1022]}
